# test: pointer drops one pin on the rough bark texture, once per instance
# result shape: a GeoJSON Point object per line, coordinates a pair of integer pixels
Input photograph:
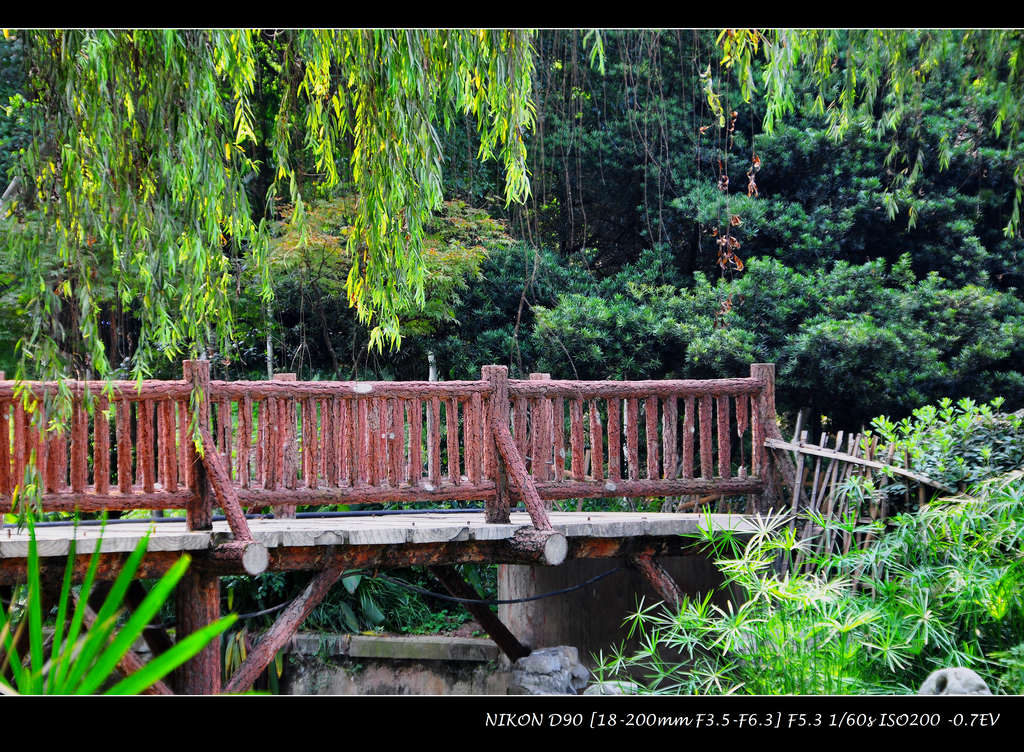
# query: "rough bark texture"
{"type": "Point", "coordinates": [662, 582]}
{"type": "Point", "coordinates": [197, 605]}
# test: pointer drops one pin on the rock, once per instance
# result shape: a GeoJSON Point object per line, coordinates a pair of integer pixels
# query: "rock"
{"type": "Point", "coordinates": [954, 681]}
{"type": "Point", "coordinates": [549, 671]}
{"type": "Point", "coordinates": [613, 688]}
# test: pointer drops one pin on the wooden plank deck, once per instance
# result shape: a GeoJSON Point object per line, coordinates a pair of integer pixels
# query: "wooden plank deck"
{"type": "Point", "coordinates": [369, 530]}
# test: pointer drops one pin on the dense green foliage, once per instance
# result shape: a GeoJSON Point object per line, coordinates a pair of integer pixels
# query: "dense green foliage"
{"type": "Point", "coordinates": [941, 587]}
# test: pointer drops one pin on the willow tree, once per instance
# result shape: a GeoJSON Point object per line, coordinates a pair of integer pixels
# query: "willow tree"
{"type": "Point", "coordinates": [133, 188]}
{"type": "Point", "coordinates": [873, 79]}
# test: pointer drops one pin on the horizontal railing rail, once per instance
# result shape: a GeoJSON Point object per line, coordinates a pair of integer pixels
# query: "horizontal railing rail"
{"type": "Point", "coordinates": [283, 443]}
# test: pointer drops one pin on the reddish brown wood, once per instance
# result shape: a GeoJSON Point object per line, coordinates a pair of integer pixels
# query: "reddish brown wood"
{"type": "Point", "coordinates": [90, 501]}
{"type": "Point", "coordinates": [706, 470]}
{"type": "Point", "coordinates": [724, 448]}
{"type": "Point", "coordinates": [285, 389]}
{"type": "Point", "coordinates": [20, 443]}
{"type": "Point", "coordinates": [275, 638]}
{"type": "Point", "coordinates": [558, 424]}
{"type": "Point", "coordinates": [396, 442]}
{"type": "Point", "coordinates": [352, 441]}
{"type": "Point", "coordinates": [651, 435]}
{"type": "Point", "coordinates": [101, 446]}
{"type": "Point", "coordinates": [414, 409]}
{"type": "Point", "coordinates": [244, 440]}
{"type": "Point", "coordinates": [633, 437]}
{"type": "Point", "coordinates": [519, 415]}
{"type": "Point", "coordinates": [614, 439]}
{"type": "Point", "coordinates": [5, 449]}
{"type": "Point", "coordinates": [170, 447]}
{"type": "Point", "coordinates": [225, 434]}
{"type": "Point", "coordinates": [54, 455]}
{"type": "Point", "coordinates": [263, 445]}
{"type": "Point", "coordinates": [596, 443]}
{"type": "Point", "coordinates": [659, 579]}
{"type": "Point", "coordinates": [197, 605]}
{"type": "Point", "coordinates": [199, 515]}
{"type": "Point", "coordinates": [122, 417]}
{"type": "Point", "coordinates": [496, 630]}
{"type": "Point", "coordinates": [576, 438]}
{"type": "Point", "coordinates": [434, 432]}
{"type": "Point", "coordinates": [288, 411]}
{"type": "Point", "coordinates": [144, 428]}
{"type": "Point", "coordinates": [376, 445]}
{"type": "Point", "coordinates": [364, 434]}
{"type": "Point", "coordinates": [451, 419]}
{"type": "Point", "coordinates": [521, 480]}
{"type": "Point", "coordinates": [38, 445]}
{"type": "Point", "coordinates": [80, 447]}
{"type": "Point", "coordinates": [115, 390]}
{"type": "Point", "coordinates": [639, 389]}
{"type": "Point", "coordinates": [474, 444]}
{"type": "Point", "coordinates": [309, 455]}
{"type": "Point", "coordinates": [498, 508]}
{"type": "Point", "coordinates": [669, 421]}
{"type": "Point", "coordinates": [339, 424]}
{"type": "Point", "coordinates": [223, 490]}
{"type": "Point", "coordinates": [759, 457]}
{"type": "Point", "coordinates": [161, 444]}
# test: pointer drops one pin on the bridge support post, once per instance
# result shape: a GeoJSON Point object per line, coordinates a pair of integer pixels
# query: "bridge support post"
{"type": "Point", "coordinates": [197, 605]}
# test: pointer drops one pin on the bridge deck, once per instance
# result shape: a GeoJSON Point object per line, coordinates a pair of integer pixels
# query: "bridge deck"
{"type": "Point", "coordinates": [375, 530]}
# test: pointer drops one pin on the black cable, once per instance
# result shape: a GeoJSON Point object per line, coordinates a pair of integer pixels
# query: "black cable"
{"type": "Point", "coordinates": [441, 596]}
{"type": "Point", "coordinates": [421, 591]}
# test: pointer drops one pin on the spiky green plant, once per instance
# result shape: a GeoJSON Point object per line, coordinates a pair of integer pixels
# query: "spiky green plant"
{"type": "Point", "coordinates": [80, 659]}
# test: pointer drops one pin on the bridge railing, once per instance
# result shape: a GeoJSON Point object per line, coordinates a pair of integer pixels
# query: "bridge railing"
{"type": "Point", "coordinates": [282, 443]}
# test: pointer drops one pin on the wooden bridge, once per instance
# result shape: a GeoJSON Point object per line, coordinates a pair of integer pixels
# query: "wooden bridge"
{"type": "Point", "coordinates": [201, 445]}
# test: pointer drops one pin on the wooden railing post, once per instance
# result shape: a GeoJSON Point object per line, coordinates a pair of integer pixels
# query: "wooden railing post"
{"type": "Point", "coordinates": [287, 445]}
{"type": "Point", "coordinates": [763, 416]}
{"type": "Point", "coordinates": [497, 511]}
{"type": "Point", "coordinates": [199, 513]}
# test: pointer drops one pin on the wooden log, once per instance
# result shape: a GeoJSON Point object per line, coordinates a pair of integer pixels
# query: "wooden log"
{"type": "Point", "coordinates": [521, 480]}
{"type": "Point", "coordinates": [123, 434]}
{"type": "Point", "coordinates": [90, 501]}
{"type": "Point", "coordinates": [224, 433]}
{"type": "Point", "coordinates": [651, 436]}
{"type": "Point", "coordinates": [576, 437]}
{"type": "Point", "coordinates": [558, 422]}
{"type": "Point", "coordinates": [275, 638]}
{"type": "Point", "coordinates": [706, 470]}
{"type": "Point", "coordinates": [309, 456]}
{"type": "Point", "coordinates": [396, 442]}
{"type": "Point", "coordinates": [519, 416]}
{"type": "Point", "coordinates": [596, 443]}
{"type": "Point", "coordinates": [223, 490]}
{"type": "Point", "coordinates": [669, 422]}
{"type": "Point", "coordinates": [247, 556]}
{"type": "Point", "coordinates": [451, 419]}
{"type": "Point", "coordinates": [197, 604]}
{"type": "Point", "coordinates": [352, 440]}
{"type": "Point", "coordinates": [283, 388]}
{"type": "Point", "coordinates": [633, 437]}
{"type": "Point", "coordinates": [199, 515]}
{"type": "Point", "coordinates": [724, 447]}
{"type": "Point", "coordinates": [497, 409]}
{"type": "Point", "coordinates": [341, 443]}
{"type": "Point", "coordinates": [6, 486]}
{"type": "Point", "coordinates": [451, 581]}
{"type": "Point", "coordinates": [144, 445]}
{"type": "Point", "coordinates": [184, 439]}
{"type": "Point", "coordinates": [544, 546]}
{"type": "Point", "coordinates": [804, 448]}
{"type": "Point", "coordinates": [57, 461]}
{"type": "Point", "coordinates": [659, 579]}
{"type": "Point", "coordinates": [378, 419]}
{"type": "Point", "coordinates": [326, 457]}
{"type": "Point", "coordinates": [101, 446]}
{"type": "Point", "coordinates": [471, 437]}
{"type": "Point", "coordinates": [415, 416]}
{"type": "Point", "coordinates": [638, 389]}
{"type": "Point", "coordinates": [434, 433]}
{"type": "Point", "coordinates": [244, 449]}
{"type": "Point", "coordinates": [169, 448]}
{"type": "Point", "coordinates": [614, 440]}
{"type": "Point", "coordinates": [39, 444]}
{"type": "Point", "coordinates": [365, 441]}
{"type": "Point", "coordinates": [537, 460]}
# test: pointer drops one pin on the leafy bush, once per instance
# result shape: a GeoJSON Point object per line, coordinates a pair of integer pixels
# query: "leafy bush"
{"type": "Point", "coordinates": [943, 587]}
